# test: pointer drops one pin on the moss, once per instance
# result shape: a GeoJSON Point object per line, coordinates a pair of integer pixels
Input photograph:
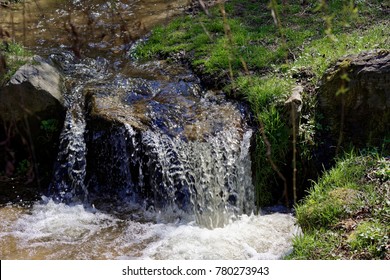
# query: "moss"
{"type": "Point", "coordinates": [345, 197]}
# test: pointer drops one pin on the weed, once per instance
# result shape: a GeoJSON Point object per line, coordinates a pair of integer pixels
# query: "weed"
{"type": "Point", "coordinates": [50, 126]}
{"type": "Point", "coordinates": [23, 167]}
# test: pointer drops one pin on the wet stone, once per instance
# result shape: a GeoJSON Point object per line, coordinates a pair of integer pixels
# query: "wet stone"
{"type": "Point", "coordinates": [165, 141]}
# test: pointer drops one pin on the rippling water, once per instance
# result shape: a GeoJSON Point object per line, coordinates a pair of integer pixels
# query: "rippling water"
{"type": "Point", "coordinates": [92, 25]}
{"type": "Point", "coordinates": [58, 231]}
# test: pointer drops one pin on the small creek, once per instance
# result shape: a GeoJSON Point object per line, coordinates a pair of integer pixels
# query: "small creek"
{"type": "Point", "coordinates": [151, 165]}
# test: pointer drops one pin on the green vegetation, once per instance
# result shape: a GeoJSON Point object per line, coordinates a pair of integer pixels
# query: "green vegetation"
{"type": "Point", "coordinates": [319, 54]}
{"type": "Point", "coordinates": [347, 213]}
{"type": "Point", "coordinates": [50, 129]}
{"type": "Point", "coordinates": [15, 56]}
{"type": "Point", "coordinates": [259, 42]}
{"type": "Point", "coordinates": [265, 96]}
{"type": "Point", "coordinates": [260, 61]}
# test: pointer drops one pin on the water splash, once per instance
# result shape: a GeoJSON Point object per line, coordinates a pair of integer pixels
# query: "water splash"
{"type": "Point", "coordinates": [70, 170]}
{"type": "Point", "coordinates": [58, 231]}
{"type": "Point", "coordinates": [211, 178]}
{"type": "Point", "coordinates": [68, 184]}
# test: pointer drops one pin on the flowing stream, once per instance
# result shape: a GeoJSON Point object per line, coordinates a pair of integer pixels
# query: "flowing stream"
{"type": "Point", "coordinates": [151, 166]}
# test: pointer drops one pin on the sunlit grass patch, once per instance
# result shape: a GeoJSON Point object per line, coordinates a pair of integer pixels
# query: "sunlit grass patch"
{"type": "Point", "coordinates": [347, 212]}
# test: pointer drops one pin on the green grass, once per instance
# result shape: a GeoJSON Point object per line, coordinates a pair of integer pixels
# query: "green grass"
{"type": "Point", "coordinates": [370, 236]}
{"type": "Point", "coordinates": [333, 196]}
{"type": "Point", "coordinates": [258, 41]}
{"type": "Point", "coordinates": [319, 54]}
{"type": "Point", "coordinates": [346, 215]}
{"type": "Point", "coordinates": [265, 96]}
{"type": "Point", "coordinates": [206, 38]}
{"type": "Point", "coordinates": [316, 247]}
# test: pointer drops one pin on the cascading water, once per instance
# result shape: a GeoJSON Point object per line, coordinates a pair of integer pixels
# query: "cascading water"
{"type": "Point", "coordinates": [167, 145]}
{"type": "Point", "coordinates": [214, 176]}
{"type": "Point", "coordinates": [70, 171]}
{"type": "Point", "coordinates": [68, 183]}
{"type": "Point", "coordinates": [188, 157]}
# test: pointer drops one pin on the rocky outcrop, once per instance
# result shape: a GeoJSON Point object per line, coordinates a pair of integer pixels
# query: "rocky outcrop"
{"type": "Point", "coordinates": [157, 134]}
{"type": "Point", "coordinates": [34, 89]}
{"type": "Point", "coordinates": [354, 99]}
{"type": "Point", "coordinates": [31, 116]}
{"type": "Point", "coordinates": [163, 98]}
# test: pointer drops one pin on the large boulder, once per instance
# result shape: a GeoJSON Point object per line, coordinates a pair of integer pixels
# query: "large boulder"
{"type": "Point", "coordinates": [354, 99]}
{"type": "Point", "coordinates": [35, 89]}
{"type": "Point", "coordinates": [160, 137]}
{"type": "Point", "coordinates": [31, 116]}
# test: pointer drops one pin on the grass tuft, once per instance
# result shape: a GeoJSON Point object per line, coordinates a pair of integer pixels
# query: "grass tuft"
{"type": "Point", "coordinates": [347, 213]}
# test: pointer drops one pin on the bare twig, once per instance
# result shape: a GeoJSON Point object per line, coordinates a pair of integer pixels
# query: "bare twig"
{"type": "Point", "coordinates": [294, 161]}
{"type": "Point", "coordinates": [24, 23]}
{"type": "Point", "coordinates": [341, 132]}
{"type": "Point", "coordinates": [294, 104]}
{"type": "Point", "coordinates": [204, 7]}
{"type": "Point", "coordinates": [273, 5]}
{"type": "Point", "coordinates": [342, 91]}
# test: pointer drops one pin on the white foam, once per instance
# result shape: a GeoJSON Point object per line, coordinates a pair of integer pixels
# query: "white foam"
{"type": "Point", "coordinates": [249, 237]}
{"type": "Point", "coordinates": [58, 231]}
{"type": "Point", "coordinates": [60, 222]}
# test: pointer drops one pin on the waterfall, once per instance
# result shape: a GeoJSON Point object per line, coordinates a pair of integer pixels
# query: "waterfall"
{"type": "Point", "coordinates": [211, 178]}
{"type": "Point", "coordinates": [68, 183]}
{"type": "Point", "coordinates": [183, 152]}
{"type": "Point", "coordinates": [150, 164]}
{"type": "Point", "coordinates": [70, 170]}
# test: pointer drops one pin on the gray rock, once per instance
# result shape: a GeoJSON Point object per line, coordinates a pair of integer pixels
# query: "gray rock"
{"type": "Point", "coordinates": [41, 75]}
{"type": "Point", "coordinates": [32, 113]}
{"type": "Point", "coordinates": [34, 89]}
{"type": "Point", "coordinates": [354, 99]}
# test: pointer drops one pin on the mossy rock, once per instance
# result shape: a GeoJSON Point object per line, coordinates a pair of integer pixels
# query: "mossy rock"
{"type": "Point", "coordinates": [354, 99]}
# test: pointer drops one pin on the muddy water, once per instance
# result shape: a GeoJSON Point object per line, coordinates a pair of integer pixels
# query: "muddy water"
{"type": "Point", "coordinates": [86, 26]}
